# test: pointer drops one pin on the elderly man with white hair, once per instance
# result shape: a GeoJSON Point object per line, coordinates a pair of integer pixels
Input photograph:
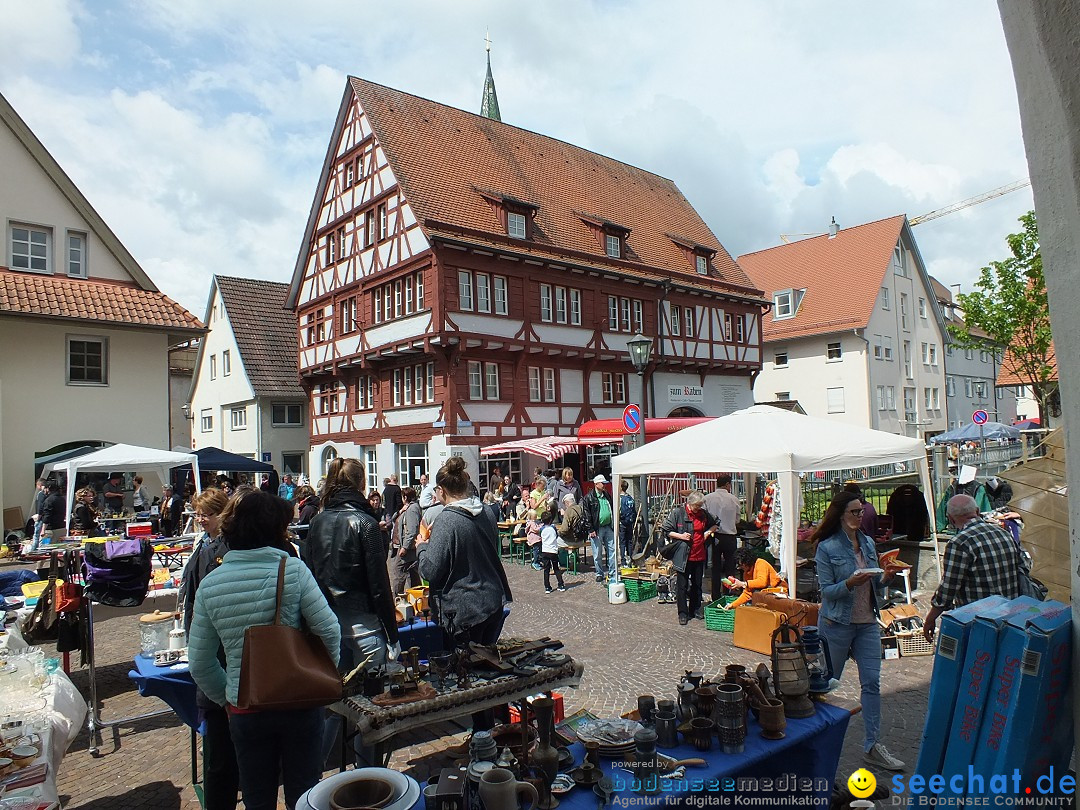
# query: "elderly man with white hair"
{"type": "Point", "coordinates": [688, 530]}
{"type": "Point", "coordinates": [981, 560]}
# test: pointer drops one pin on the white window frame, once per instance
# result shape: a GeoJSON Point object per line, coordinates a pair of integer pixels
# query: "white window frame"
{"type": "Point", "coordinates": [399, 303]}
{"type": "Point", "coordinates": [465, 290]}
{"type": "Point", "coordinates": [384, 221]}
{"type": "Point", "coordinates": [575, 307]}
{"type": "Point", "coordinates": [922, 308]}
{"type": "Point", "coordinates": [396, 388]}
{"type": "Point", "coordinates": [740, 328]}
{"type": "Point", "coordinates": [549, 385]}
{"type": "Point", "coordinates": [285, 419]}
{"type": "Point", "coordinates": [365, 393]}
{"type": "Point", "coordinates": [624, 314]}
{"type": "Point", "coordinates": [890, 398]}
{"type": "Point", "coordinates": [729, 326]}
{"type": "Point", "coordinates": [904, 312]}
{"type": "Point", "coordinates": [226, 363]}
{"type": "Point", "coordinates": [213, 367]}
{"type": "Point", "coordinates": [834, 400]}
{"type": "Point", "coordinates": [103, 352]}
{"type": "Point", "coordinates": [502, 296]}
{"type": "Point", "coordinates": [419, 291]}
{"type": "Point", "coordinates": [491, 381]}
{"type": "Point", "coordinates": [834, 352]}
{"type": "Point", "coordinates": [675, 320]}
{"type": "Point", "coordinates": [950, 386]}
{"type": "Point", "coordinates": [613, 388]}
{"type": "Point", "coordinates": [371, 467]}
{"type": "Point", "coordinates": [688, 321]}
{"type": "Point", "coordinates": [885, 304]}
{"type": "Point", "coordinates": [701, 264]}
{"type": "Point", "coordinates": [879, 349]}
{"type": "Point", "coordinates": [638, 314]}
{"type": "Point", "coordinates": [430, 382]}
{"type": "Point", "coordinates": [238, 418]}
{"type": "Point", "coordinates": [76, 254]}
{"type": "Point", "coordinates": [783, 396]}
{"type": "Point", "coordinates": [418, 384]}
{"type": "Point", "coordinates": [388, 302]}
{"type": "Point", "coordinates": [560, 305]}
{"type": "Point", "coordinates": [515, 225]}
{"type": "Point", "coordinates": [613, 246]}
{"type": "Point", "coordinates": [546, 310]}
{"type": "Point", "coordinates": [476, 380]}
{"type": "Point", "coordinates": [925, 353]}
{"type": "Point", "coordinates": [407, 394]}
{"type": "Point", "coordinates": [968, 388]}
{"type": "Point", "coordinates": [933, 355]}
{"type": "Point", "coordinates": [206, 420]}
{"type": "Point", "coordinates": [777, 363]}
{"type": "Point", "coordinates": [534, 384]}
{"type": "Point", "coordinates": [909, 371]}
{"type": "Point", "coordinates": [410, 299]}
{"type": "Point", "coordinates": [613, 313]}
{"type": "Point", "coordinates": [888, 348]}
{"type": "Point", "coordinates": [23, 236]}
{"type": "Point", "coordinates": [483, 292]}
{"type": "Point", "coordinates": [881, 397]}
{"type": "Point", "coordinates": [783, 304]}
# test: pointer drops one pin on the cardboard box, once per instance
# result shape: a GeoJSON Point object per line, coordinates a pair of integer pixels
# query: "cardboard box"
{"type": "Point", "coordinates": [975, 683]}
{"type": "Point", "coordinates": [952, 635]}
{"type": "Point", "coordinates": [1028, 719]}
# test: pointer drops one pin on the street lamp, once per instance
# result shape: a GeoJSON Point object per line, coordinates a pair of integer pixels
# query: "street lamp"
{"type": "Point", "coordinates": [640, 348]}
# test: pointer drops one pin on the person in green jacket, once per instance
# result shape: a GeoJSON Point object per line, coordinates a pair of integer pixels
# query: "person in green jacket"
{"type": "Point", "coordinates": [964, 484]}
{"type": "Point", "coordinates": [242, 592]}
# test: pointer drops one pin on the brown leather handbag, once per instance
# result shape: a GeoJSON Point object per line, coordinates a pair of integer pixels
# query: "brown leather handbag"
{"type": "Point", "coordinates": [284, 668]}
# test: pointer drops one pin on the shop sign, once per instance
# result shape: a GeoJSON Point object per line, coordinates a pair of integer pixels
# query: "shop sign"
{"type": "Point", "coordinates": [685, 394]}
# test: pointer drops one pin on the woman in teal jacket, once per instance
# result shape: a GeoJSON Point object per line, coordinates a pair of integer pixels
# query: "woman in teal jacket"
{"type": "Point", "coordinates": [242, 592]}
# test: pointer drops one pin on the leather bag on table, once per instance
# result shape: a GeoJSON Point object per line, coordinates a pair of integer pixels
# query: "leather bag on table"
{"type": "Point", "coordinates": [799, 612]}
{"type": "Point", "coordinates": [754, 628]}
{"type": "Point", "coordinates": [68, 591]}
{"type": "Point", "coordinates": [284, 668]}
{"type": "Point", "coordinates": [42, 623]}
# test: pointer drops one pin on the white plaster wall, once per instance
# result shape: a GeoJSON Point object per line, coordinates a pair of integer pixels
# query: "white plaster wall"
{"type": "Point", "coordinates": [40, 410]}
{"type": "Point", "coordinates": [723, 394]}
{"type": "Point", "coordinates": [28, 197]}
{"type": "Point", "coordinates": [223, 392]}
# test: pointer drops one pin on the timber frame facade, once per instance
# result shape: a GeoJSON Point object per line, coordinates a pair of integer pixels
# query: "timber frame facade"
{"type": "Point", "coordinates": [445, 302]}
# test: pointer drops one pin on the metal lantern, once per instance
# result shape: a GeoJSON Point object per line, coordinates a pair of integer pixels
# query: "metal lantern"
{"type": "Point", "coordinates": [791, 677]}
{"type": "Point", "coordinates": [818, 661]}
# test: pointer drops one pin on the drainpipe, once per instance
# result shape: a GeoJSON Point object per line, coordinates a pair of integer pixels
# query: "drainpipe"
{"type": "Point", "coordinates": [869, 383]}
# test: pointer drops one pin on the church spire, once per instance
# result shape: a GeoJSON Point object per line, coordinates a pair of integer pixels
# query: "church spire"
{"type": "Point", "coordinates": [489, 106]}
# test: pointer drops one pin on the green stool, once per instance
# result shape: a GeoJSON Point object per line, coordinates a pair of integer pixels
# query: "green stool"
{"type": "Point", "coordinates": [568, 559]}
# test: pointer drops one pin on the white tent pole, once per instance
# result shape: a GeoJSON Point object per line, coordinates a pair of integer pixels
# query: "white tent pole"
{"type": "Point", "coordinates": [615, 479]}
{"type": "Point", "coordinates": [928, 495]}
{"type": "Point", "coordinates": [789, 483]}
{"type": "Point", "coordinates": [70, 497]}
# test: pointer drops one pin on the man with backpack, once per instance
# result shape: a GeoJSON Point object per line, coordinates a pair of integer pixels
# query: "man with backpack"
{"type": "Point", "coordinates": [627, 510]}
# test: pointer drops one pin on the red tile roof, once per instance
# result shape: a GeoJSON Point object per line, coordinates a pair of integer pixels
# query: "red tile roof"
{"type": "Point", "coordinates": [116, 303]}
{"type": "Point", "coordinates": [841, 276]}
{"type": "Point", "coordinates": [443, 157]}
{"type": "Point", "coordinates": [265, 334]}
{"type": "Point", "coordinates": [1010, 372]}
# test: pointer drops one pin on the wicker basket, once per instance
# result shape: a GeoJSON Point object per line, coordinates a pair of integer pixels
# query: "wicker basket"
{"type": "Point", "coordinates": [914, 644]}
{"type": "Point", "coordinates": [716, 618]}
{"type": "Point", "coordinates": [638, 590]}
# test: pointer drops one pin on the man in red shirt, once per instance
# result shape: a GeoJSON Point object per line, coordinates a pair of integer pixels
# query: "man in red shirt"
{"type": "Point", "coordinates": [688, 529]}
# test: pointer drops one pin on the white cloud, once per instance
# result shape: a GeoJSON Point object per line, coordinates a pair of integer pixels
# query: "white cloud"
{"type": "Point", "coordinates": [42, 33]}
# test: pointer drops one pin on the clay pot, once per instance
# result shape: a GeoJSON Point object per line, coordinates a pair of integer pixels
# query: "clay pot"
{"type": "Point", "coordinates": [362, 792]}
{"type": "Point", "coordinates": [772, 720]}
{"type": "Point", "coordinates": [701, 733]}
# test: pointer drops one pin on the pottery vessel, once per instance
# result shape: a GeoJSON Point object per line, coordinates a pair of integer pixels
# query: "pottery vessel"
{"type": "Point", "coordinates": [545, 756]}
{"type": "Point", "coordinates": [701, 733]}
{"type": "Point", "coordinates": [772, 719]}
{"type": "Point", "coordinates": [499, 790]}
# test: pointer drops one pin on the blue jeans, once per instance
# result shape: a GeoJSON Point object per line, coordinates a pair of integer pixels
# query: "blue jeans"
{"type": "Point", "coordinates": [354, 649]}
{"type": "Point", "coordinates": [863, 643]}
{"type": "Point", "coordinates": [604, 536]}
{"type": "Point", "coordinates": [269, 743]}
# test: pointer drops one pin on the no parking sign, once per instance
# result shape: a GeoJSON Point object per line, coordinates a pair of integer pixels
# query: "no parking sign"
{"type": "Point", "coordinates": [980, 417]}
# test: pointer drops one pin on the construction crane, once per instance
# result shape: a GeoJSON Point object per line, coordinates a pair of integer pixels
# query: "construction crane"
{"type": "Point", "coordinates": [970, 201]}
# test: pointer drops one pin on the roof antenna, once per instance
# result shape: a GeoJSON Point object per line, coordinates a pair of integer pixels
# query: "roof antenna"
{"type": "Point", "coordinates": [489, 105]}
{"type": "Point", "coordinates": [834, 229]}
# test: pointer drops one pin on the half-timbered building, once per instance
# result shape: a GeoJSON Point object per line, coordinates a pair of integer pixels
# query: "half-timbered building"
{"type": "Point", "coordinates": [463, 282]}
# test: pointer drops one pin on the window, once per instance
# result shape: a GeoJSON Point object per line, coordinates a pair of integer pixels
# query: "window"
{"type": "Point", "coordinates": [911, 416]}
{"type": "Point", "coordinates": [674, 320]}
{"type": "Point", "coordinates": [515, 225]}
{"type": "Point", "coordinates": [624, 314]}
{"type": "Point", "coordinates": [888, 347]}
{"type": "Point", "coordinates": [904, 312]}
{"type": "Point", "coordinates": [286, 415]}
{"type": "Point", "coordinates": [835, 400]}
{"type": "Point", "coordinates": [639, 320]}
{"type": "Point", "coordinates": [926, 354]}
{"type": "Point", "coordinates": [950, 386]}
{"type": "Point", "coordinates": [612, 246]}
{"type": "Point", "coordinates": [932, 399]}
{"type": "Point", "coordinates": [359, 168]}
{"type": "Point", "coordinates": [371, 465]}
{"type": "Point", "coordinates": [418, 384]}
{"type": "Point", "coordinates": [502, 304]}
{"type": "Point", "coordinates": [549, 385]}
{"type": "Point", "coordinates": [833, 351]}
{"type": "Point", "coordinates": [899, 263]}
{"type": "Point", "coordinates": [780, 359]}
{"type": "Point", "coordinates": [326, 397]}
{"type": "Point", "coordinates": [688, 319]}
{"type": "Point", "coordinates": [365, 393]}
{"type": "Point", "coordinates": [350, 174]}
{"type": "Point", "coordinates": [465, 290]}
{"type": "Point", "coordinates": [491, 380]}
{"type": "Point", "coordinates": [347, 315]}
{"type": "Point", "coordinates": [419, 291]}
{"type": "Point", "coordinates": [560, 304]}
{"type": "Point", "coordinates": [407, 398]}
{"type": "Point", "coordinates": [412, 463]}
{"type": "Point", "coordinates": [206, 420]}
{"type": "Point", "coordinates": [613, 388]}
{"type": "Point", "coordinates": [328, 455]}
{"type": "Point", "coordinates": [926, 400]}
{"type": "Point", "coordinates": [388, 301]}
{"type": "Point", "coordinates": [879, 352]}
{"type": "Point", "coordinates": [369, 228]}
{"type": "Point", "coordinates": [907, 360]}
{"type": "Point", "coordinates": [740, 329]}
{"type": "Point", "coordinates": [922, 308]}
{"type": "Point", "coordinates": [213, 367]}
{"type": "Point", "coordinates": [30, 248]}
{"type": "Point", "coordinates": [483, 292]}
{"type": "Point", "coordinates": [87, 361]}
{"type": "Point", "coordinates": [701, 264]}
{"type": "Point", "coordinates": [933, 354]}
{"type": "Point", "coordinates": [76, 257]}
{"type": "Point", "coordinates": [430, 370]}
{"type": "Point", "coordinates": [239, 418]}
{"type": "Point", "coordinates": [969, 354]}
{"type": "Point", "coordinates": [890, 397]}
{"type": "Point", "coordinates": [545, 303]}
{"type": "Point", "coordinates": [885, 298]}
{"type": "Point", "coordinates": [396, 388]}
{"type": "Point", "coordinates": [782, 307]}
{"type": "Point", "coordinates": [384, 222]}
{"type": "Point", "coordinates": [410, 297]}
{"type": "Point", "coordinates": [613, 312]}
{"type": "Point", "coordinates": [541, 384]}
{"type": "Point", "coordinates": [967, 387]}
{"type": "Point", "coordinates": [226, 363]}
{"type": "Point", "coordinates": [534, 384]}
{"type": "Point", "coordinates": [984, 356]}
{"type": "Point", "coordinates": [398, 302]}
{"type": "Point", "coordinates": [476, 380]}
{"type": "Point", "coordinates": [948, 349]}
{"type": "Point", "coordinates": [783, 396]}
{"type": "Point", "coordinates": [729, 322]}
{"type": "Point", "coordinates": [881, 397]}
{"type": "Point", "coordinates": [315, 327]}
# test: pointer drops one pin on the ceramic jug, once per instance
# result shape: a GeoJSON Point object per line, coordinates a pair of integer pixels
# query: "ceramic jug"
{"type": "Point", "coordinates": [499, 790]}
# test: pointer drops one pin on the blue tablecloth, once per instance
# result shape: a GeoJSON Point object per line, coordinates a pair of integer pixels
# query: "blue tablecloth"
{"type": "Point", "coordinates": [803, 764]}
{"type": "Point", "coordinates": [173, 684]}
{"type": "Point", "coordinates": [426, 635]}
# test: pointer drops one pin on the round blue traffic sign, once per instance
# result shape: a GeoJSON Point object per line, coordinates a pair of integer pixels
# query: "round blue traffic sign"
{"type": "Point", "coordinates": [980, 417]}
{"type": "Point", "coordinates": [631, 418]}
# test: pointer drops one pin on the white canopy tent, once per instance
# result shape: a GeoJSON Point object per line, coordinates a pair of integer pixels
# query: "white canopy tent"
{"type": "Point", "coordinates": [126, 457]}
{"type": "Point", "coordinates": [767, 439]}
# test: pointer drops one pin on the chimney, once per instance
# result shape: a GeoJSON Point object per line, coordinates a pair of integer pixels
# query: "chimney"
{"type": "Point", "coordinates": [833, 228]}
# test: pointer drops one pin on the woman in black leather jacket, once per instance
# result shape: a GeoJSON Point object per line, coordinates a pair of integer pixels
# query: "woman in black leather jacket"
{"type": "Point", "coordinates": [345, 552]}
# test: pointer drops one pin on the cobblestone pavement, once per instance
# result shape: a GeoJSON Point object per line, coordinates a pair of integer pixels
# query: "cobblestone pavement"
{"type": "Point", "coordinates": [627, 650]}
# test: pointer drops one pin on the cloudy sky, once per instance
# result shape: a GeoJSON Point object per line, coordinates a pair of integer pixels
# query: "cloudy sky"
{"type": "Point", "coordinates": [197, 128]}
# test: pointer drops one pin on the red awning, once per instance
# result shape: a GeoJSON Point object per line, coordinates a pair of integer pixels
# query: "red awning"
{"type": "Point", "coordinates": [547, 447]}
{"type": "Point", "coordinates": [609, 431]}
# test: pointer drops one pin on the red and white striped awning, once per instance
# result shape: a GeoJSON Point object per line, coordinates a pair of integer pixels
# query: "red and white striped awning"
{"type": "Point", "coordinates": [547, 447]}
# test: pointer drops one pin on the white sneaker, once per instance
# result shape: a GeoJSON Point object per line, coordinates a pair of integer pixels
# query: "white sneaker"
{"type": "Point", "coordinates": [879, 756]}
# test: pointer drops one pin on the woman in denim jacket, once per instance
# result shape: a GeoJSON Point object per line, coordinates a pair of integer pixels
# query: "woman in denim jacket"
{"type": "Point", "coordinates": [849, 611]}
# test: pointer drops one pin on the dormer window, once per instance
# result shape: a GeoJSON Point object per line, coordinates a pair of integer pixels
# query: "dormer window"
{"type": "Point", "coordinates": [515, 225]}
{"type": "Point", "coordinates": [613, 245]}
{"type": "Point", "coordinates": [701, 264]}
{"type": "Point", "coordinates": [786, 303]}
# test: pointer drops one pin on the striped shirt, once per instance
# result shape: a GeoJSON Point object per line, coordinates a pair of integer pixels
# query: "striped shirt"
{"type": "Point", "coordinates": [982, 560]}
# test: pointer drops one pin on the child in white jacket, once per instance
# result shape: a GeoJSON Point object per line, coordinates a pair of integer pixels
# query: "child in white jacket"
{"type": "Point", "coordinates": [549, 550]}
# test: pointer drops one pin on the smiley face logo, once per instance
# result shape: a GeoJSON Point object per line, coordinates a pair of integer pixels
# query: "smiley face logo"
{"type": "Point", "coordinates": [861, 783]}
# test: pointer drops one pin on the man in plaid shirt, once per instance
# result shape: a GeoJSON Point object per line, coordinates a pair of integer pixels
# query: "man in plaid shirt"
{"type": "Point", "coordinates": [981, 560]}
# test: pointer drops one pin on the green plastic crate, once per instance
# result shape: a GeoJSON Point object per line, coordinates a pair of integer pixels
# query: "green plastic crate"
{"type": "Point", "coordinates": [639, 591]}
{"type": "Point", "coordinates": [716, 618]}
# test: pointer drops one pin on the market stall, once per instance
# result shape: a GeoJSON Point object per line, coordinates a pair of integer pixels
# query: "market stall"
{"type": "Point", "coordinates": [766, 439]}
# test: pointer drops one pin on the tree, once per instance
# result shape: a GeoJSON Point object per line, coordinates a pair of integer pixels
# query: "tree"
{"type": "Point", "coordinates": [1010, 306]}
